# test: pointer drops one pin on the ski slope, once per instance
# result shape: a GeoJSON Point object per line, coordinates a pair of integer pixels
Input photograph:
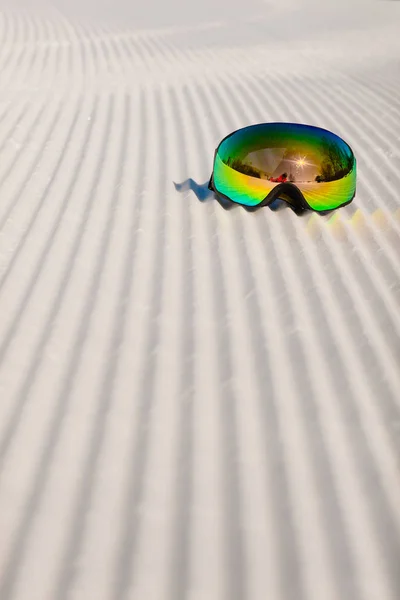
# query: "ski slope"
{"type": "Point", "coordinates": [196, 403]}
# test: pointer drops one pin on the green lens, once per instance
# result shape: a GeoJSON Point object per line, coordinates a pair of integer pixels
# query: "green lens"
{"type": "Point", "coordinates": [252, 161]}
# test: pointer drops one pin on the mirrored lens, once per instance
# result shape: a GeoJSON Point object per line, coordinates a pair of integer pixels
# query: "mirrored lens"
{"type": "Point", "coordinates": [252, 161]}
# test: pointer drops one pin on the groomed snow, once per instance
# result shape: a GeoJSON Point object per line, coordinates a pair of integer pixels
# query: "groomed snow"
{"type": "Point", "coordinates": [195, 403]}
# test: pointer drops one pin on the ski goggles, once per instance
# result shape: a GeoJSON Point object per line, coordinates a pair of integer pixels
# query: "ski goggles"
{"type": "Point", "coordinates": [307, 167]}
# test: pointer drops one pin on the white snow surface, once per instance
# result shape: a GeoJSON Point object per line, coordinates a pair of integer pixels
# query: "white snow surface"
{"type": "Point", "coordinates": [196, 403]}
